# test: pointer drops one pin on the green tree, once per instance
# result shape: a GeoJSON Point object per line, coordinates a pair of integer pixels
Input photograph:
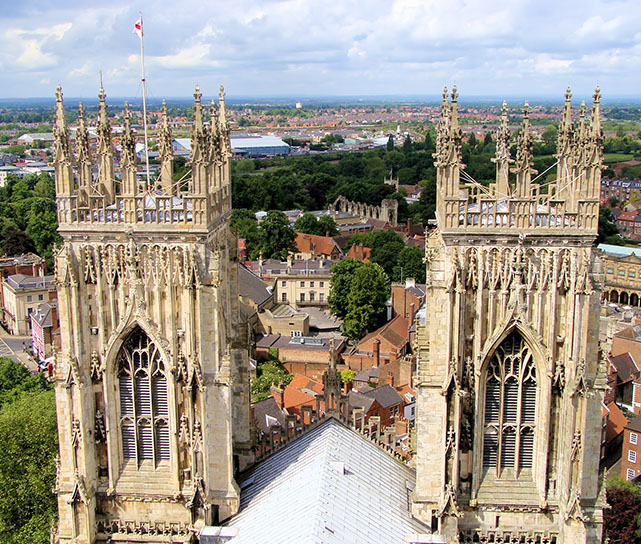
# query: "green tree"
{"type": "Point", "coordinates": [340, 285]}
{"type": "Point", "coordinates": [623, 518]}
{"type": "Point", "coordinates": [16, 380]}
{"type": "Point", "coordinates": [268, 373]}
{"type": "Point", "coordinates": [327, 226]}
{"type": "Point", "coordinates": [390, 143]}
{"type": "Point", "coordinates": [276, 238]}
{"type": "Point", "coordinates": [410, 262]}
{"type": "Point", "coordinates": [368, 294]}
{"type": "Point", "coordinates": [17, 242]}
{"type": "Point", "coordinates": [386, 246]}
{"type": "Point", "coordinates": [347, 375]}
{"type": "Point", "coordinates": [407, 145]}
{"type": "Point", "coordinates": [307, 223]}
{"type": "Point", "coordinates": [244, 166]}
{"type": "Point", "coordinates": [28, 446]}
{"type": "Point", "coordinates": [608, 231]}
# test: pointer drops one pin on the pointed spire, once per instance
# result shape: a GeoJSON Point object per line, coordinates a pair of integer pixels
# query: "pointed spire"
{"type": "Point", "coordinates": [524, 158]}
{"type": "Point", "coordinates": [198, 109]}
{"type": "Point", "coordinates": [83, 152]}
{"type": "Point", "coordinates": [104, 148]}
{"type": "Point", "coordinates": [566, 122]}
{"type": "Point", "coordinates": [165, 152]}
{"type": "Point", "coordinates": [62, 152]}
{"type": "Point", "coordinates": [454, 107]}
{"type": "Point", "coordinates": [596, 113]}
{"type": "Point", "coordinates": [502, 157]}
{"type": "Point", "coordinates": [199, 155]}
{"type": "Point", "coordinates": [222, 112]}
{"type": "Point", "coordinates": [215, 140]}
{"type": "Point", "coordinates": [128, 156]}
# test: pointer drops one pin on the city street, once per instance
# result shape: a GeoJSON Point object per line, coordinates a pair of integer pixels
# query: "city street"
{"type": "Point", "coordinates": [13, 347]}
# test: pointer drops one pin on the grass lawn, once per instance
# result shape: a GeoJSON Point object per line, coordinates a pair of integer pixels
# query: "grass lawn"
{"type": "Point", "coordinates": [609, 158]}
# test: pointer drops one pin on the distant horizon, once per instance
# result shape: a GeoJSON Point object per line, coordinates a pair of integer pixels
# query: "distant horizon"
{"type": "Point", "coordinates": [327, 99]}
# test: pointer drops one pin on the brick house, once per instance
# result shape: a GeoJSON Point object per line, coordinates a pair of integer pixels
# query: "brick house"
{"type": "Point", "coordinates": [305, 355]}
{"type": "Point", "coordinates": [311, 246]}
{"type": "Point", "coordinates": [631, 450]}
{"type": "Point", "coordinates": [21, 297]}
{"type": "Point", "coordinates": [623, 380]}
{"type": "Point", "coordinates": [44, 330]}
{"type": "Point", "coordinates": [359, 252]}
{"type": "Point", "coordinates": [384, 402]}
{"type": "Point", "coordinates": [384, 345]}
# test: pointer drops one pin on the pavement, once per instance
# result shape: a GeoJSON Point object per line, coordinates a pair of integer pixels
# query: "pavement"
{"type": "Point", "coordinates": [13, 346]}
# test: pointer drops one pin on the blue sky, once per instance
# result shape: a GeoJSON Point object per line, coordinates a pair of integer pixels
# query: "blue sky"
{"type": "Point", "coordinates": [311, 48]}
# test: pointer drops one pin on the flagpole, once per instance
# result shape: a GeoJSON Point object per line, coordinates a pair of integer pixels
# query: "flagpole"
{"type": "Point", "coordinates": [144, 100]}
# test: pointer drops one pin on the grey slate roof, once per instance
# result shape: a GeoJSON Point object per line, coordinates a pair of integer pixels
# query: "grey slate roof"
{"type": "Point", "coordinates": [252, 287]}
{"type": "Point", "coordinates": [268, 413]}
{"type": "Point", "coordinates": [331, 485]}
{"type": "Point", "coordinates": [385, 395]}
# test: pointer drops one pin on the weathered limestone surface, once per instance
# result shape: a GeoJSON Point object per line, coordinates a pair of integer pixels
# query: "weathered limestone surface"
{"type": "Point", "coordinates": [156, 263]}
{"type": "Point", "coordinates": [513, 282]}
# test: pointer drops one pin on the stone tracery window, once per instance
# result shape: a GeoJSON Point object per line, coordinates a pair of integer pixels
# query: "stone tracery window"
{"type": "Point", "coordinates": [510, 407]}
{"type": "Point", "coordinates": [144, 410]}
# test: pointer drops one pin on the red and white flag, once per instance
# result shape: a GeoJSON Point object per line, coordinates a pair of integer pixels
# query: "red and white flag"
{"type": "Point", "coordinates": [138, 27]}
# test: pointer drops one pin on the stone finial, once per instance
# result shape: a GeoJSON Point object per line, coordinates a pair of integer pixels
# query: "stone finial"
{"type": "Point", "coordinates": [60, 109]}
{"type": "Point", "coordinates": [568, 95]}
{"type": "Point", "coordinates": [454, 94]}
{"type": "Point", "coordinates": [595, 121]}
{"type": "Point", "coordinates": [83, 150]}
{"type": "Point", "coordinates": [445, 95]}
{"type": "Point", "coordinates": [524, 158]}
{"type": "Point", "coordinates": [502, 157]}
{"type": "Point", "coordinates": [222, 110]}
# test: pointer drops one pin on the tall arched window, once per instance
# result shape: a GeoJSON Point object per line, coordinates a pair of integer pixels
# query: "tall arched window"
{"type": "Point", "coordinates": [144, 412]}
{"type": "Point", "coordinates": [510, 407]}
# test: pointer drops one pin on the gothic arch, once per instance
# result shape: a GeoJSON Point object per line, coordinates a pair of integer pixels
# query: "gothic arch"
{"type": "Point", "coordinates": [534, 425]}
{"type": "Point", "coordinates": [509, 392]}
{"type": "Point", "coordinates": [119, 457]}
{"type": "Point", "coordinates": [532, 339]}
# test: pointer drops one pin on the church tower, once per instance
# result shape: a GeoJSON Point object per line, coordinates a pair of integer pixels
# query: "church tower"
{"type": "Point", "coordinates": [152, 378]}
{"type": "Point", "coordinates": [509, 385]}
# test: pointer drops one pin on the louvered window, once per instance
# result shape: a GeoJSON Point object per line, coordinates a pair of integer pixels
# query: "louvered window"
{"type": "Point", "coordinates": [510, 407]}
{"type": "Point", "coordinates": [144, 408]}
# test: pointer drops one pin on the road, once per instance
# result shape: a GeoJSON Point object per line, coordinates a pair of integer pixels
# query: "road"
{"type": "Point", "coordinates": [13, 347]}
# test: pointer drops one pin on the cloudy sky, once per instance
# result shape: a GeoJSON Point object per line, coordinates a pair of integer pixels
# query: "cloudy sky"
{"type": "Point", "coordinates": [313, 47]}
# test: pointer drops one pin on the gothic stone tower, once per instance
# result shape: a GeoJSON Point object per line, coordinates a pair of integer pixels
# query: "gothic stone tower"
{"type": "Point", "coordinates": [152, 376]}
{"type": "Point", "coordinates": [508, 382]}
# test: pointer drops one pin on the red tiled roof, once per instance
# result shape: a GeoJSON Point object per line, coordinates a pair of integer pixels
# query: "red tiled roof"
{"type": "Point", "coordinates": [318, 245]}
{"type": "Point", "coordinates": [616, 422]}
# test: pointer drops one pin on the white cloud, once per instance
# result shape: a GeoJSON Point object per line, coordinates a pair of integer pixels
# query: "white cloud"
{"type": "Point", "coordinates": [269, 47]}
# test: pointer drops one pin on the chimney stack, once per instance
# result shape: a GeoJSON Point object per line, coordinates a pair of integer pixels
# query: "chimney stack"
{"type": "Point", "coordinates": [279, 394]}
{"type": "Point", "coordinates": [377, 352]}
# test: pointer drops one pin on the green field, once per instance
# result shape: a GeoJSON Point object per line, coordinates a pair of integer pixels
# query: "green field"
{"type": "Point", "coordinates": [609, 158]}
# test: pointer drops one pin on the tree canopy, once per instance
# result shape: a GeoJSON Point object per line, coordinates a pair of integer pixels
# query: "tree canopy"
{"type": "Point", "coordinates": [309, 224]}
{"type": "Point", "coordinates": [268, 373]}
{"type": "Point", "coordinates": [29, 220]}
{"type": "Point", "coordinates": [368, 293]}
{"type": "Point", "coordinates": [28, 446]}
{"type": "Point", "coordinates": [340, 285]}
{"type": "Point", "coordinates": [276, 238]}
{"type": "Point", "coordinates": [273, 237]}
{"type": "Point", "coordinates": [623, 518]}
